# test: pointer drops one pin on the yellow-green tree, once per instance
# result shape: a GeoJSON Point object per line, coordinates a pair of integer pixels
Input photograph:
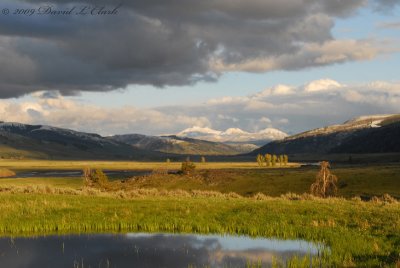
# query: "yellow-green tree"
{"type": "Point", "coordinates": [285, 159]}
{"type": "Point", "coordinates": [281, 161]}
{"type": "Point", "coordinates": [274, 159]}
{"type": "Point", "coordinates": [260, 160]}
{"type": "Point", "coordinates": [268, 158]}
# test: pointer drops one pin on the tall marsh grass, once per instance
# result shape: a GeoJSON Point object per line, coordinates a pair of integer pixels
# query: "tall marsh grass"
{"type": "Point", "coordinates": [4, 173]}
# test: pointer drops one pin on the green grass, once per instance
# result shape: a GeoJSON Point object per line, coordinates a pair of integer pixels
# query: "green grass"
{"type": "Point", "coordinates": [362, 233]}
{"type": "Point", "coordinates": [358, 233]}
{"type": "Point", "coordinates": [74, 183]}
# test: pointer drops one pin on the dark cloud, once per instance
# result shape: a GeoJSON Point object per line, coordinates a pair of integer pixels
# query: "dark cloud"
{"type": "Point", "coordinates": [160, 42]}
{"type": "Point", "coordinates": [385, 5]}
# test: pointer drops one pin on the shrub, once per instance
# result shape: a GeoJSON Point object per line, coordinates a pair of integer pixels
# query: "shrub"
{"type": "Point", "coordinates": [187, 167]}
{"type": "Point", "coordinates": [94, 177]}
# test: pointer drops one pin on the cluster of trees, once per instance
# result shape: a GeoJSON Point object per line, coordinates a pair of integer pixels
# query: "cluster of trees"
{"type": "Point", "coordinates": [272, 160]}
{"type": "Point", "coordinates": [202, 160]}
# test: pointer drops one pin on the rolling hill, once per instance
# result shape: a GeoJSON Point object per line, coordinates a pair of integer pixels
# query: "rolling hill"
{"type": "Point", "coordinates": [46, 142]}
{"type": "Point", "coordinates": [365, 134]}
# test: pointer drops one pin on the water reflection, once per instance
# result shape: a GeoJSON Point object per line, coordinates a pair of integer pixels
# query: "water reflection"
{"type": "Point", "coordinates": [146, 250]}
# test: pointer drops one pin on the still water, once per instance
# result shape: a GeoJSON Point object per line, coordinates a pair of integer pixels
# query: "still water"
{"type": "Point", "coordinates": [147, 250]}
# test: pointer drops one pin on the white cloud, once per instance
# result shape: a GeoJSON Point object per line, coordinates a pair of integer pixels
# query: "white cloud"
{"type": "Point", "coordinates": [282, 90]}
{"type": "Point", "coordinates": [227, 117]}
{"type": "Point", "coordinates": [63, 112]}
{"type": "Point", "coordinates": [283, 121]}
{"type": "Point", "coordinates": [265, 120]}
{"type": "Point", "coordinates": [258, 105]}
{"type": "Point", "coordinates": [227, 100]}
{"type": "Point", "coordinates": [322, 85]}
{"type": "Point", "coordinates": [307, 106]}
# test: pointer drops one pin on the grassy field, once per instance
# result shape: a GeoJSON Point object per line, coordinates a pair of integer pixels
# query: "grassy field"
{"type": "Point", "coordinates": [364, 181]}
{"type": "Point", "coordinates": [358, 233]}
{"type": "Point", "coordinates": [122, 165]}
{"type": "Point", "coordinates": [74, 183]}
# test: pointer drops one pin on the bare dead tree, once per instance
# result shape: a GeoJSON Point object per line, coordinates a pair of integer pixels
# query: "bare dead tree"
{"type": "Point", "coordinates": [325, 183]}
{"type": "Point", "coordinates": [87, 174]}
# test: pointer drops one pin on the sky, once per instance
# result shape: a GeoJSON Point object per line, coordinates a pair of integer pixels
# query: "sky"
{"type": "Point", "coordinates": [158, 67]}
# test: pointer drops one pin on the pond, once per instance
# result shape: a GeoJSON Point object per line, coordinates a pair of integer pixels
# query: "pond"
{"type": "Point", "coordinates": [112, 174]}
{"type": "Point", "coordinates": [147, 250]}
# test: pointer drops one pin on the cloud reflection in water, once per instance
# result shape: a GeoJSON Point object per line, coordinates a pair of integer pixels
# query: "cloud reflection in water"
{"type": "Point", "coordinates": [145, 250]}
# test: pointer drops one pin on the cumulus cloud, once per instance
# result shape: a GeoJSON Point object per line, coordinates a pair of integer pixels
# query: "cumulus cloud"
{"type": "Point", "coordinates": [69, 113]}
{"type": "Point", "coordinates": [164, 43]}
{"type": "Point", "coordinates": [328, 102]}
{"type": "Point", "coordinates": [265, 120]}
{"type": "Point", "coordinates": [321, 85]}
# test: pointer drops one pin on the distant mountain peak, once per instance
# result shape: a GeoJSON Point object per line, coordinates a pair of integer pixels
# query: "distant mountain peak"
{"type": "Point", "coordinates": [232, 134]}
{"type": "Point", "coordinates": [233, 131]}
{"type": "Point", "coordinates": [196, 129]}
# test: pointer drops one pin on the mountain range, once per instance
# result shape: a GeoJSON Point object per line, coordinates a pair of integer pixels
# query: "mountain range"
{"type": "Point", "coordinates": [234, 135]}
{"type": "Point", "coordinates": [203, 141]}
{"type": "Point", "coordinates": [46, 142]}
{"type": "Point", "coordinates": [365, 134]}
{"type": "Point", "coordinates": [182, 145]}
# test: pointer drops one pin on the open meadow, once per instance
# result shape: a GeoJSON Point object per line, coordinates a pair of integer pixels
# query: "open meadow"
{"type": "Point", "coordinates": [218, 198]}
{"type": "Point", "coordinates": [120, 165]}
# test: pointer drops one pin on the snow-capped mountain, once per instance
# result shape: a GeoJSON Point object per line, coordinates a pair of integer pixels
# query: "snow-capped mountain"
{"type": "Point", "coordinates": [232, 135]}
{"type": "Point", "coordinates": [364, 134]}
{"type": "Point", "coordinates": [361, 122]}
